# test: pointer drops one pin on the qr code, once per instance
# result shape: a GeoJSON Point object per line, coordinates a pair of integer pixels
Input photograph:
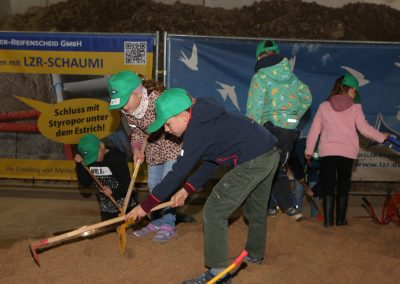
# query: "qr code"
{"type": "Point", "coordinates": [135, 52]}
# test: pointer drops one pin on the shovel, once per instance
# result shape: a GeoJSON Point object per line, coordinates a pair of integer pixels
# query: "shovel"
{"type": "Point", "coordinates": [310, 195]}
{"type": "Point", "coordinates": [370, 210]}
{"type": "Point", "coordinates": [235, 264]}
{"type": "Point", "coordinates": [83, 231]}
{"type": "Point", "coordinates": [121, 230]}
{"type": "Point", "coordinates": [102, 187]}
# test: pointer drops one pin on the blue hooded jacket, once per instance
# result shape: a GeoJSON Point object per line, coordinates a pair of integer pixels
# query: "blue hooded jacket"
{"type": "Point", "coordinates": [215, 137]}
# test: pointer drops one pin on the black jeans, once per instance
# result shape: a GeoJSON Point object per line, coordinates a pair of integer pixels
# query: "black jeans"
{"type": "Point", "coordinates": [281, 195]}
{"type": "Point", "coordinates": [335, 171]}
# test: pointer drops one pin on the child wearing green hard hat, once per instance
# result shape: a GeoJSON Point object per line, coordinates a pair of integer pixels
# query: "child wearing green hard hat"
{"type": "Point", "coordinates": [134, 96]}
{"type": "Point", "coordinates": [105, 163]}
{"type": "Point", "coordinates": [350, 81]}
{"type": "Point", "coordinates": [336, 126]}
{"type": "Point", "coordinates": [121, 86]}
{"type": "Point", "coordinates": [88, 147]}
{"type": "Point", "coordinates": [347, 84]}
{"type": "Point", "coordinates": [216, 138]}
{"type": "Point", "coordinates": [266, 47]}
{"type": "Point", "coordinates": [277, 99]}
{"type": "Point", "coordinates": [173, 102]}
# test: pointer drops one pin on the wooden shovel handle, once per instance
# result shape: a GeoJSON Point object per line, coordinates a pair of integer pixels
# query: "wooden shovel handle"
{"type": "Point", "coordinates": [102, 187]}
{"type": "Point", "coordinates": [130, 188]}
{"type": "Point", "coordinates": [162, 205]}
{"type": "Point", "coordinates": [76, 232]}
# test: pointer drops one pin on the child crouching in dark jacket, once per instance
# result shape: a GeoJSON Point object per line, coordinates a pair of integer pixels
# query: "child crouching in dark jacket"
{"type": "Point", "coordinates": [216, 137]}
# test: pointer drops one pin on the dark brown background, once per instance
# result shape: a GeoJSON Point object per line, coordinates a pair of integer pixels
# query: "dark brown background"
{"type": "Point", "coordinates": [304, 252]}
{"type": "Point", "coordinates": [278, 19]}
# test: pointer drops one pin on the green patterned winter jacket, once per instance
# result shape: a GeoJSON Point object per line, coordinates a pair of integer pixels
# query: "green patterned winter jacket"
{"type": "Point", "coordinates": [278, 96]}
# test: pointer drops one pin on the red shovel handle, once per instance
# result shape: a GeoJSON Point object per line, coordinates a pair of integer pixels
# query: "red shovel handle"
{"type": "Point", "coordinates": [235, 263]}
{"type": "Point", "coordinates": [371, 209]}
{"type": "Point", "coordinates": [240, 258]}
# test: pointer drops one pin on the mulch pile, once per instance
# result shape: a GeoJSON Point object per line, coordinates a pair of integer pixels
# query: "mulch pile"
{"type": "Point", "coordinates": [277, 18]}
{"type": "Point", "coordinates": [304, 252]}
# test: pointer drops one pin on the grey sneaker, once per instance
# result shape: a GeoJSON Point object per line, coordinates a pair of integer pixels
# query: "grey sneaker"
{"type": "Point", "coordinates": [146, 230]}
{"type": "Point", "coordinates": [207, 276]}
{"type": "Point", "coordinates": [164, 234]}
{"type": "Point", "coordinates": [272, 212]}
{"type": "Point", "coordinates": [294, 213]}
{"type": "Point", "coordinates": [254, 260]}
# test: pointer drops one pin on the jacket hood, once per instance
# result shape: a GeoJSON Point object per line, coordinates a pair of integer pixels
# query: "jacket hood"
{"type": "Point", "coordinates": [341, 102]}
{"type": "Point", "coordinates": [280, 71]}
{"type": "Point", "coordinates": [206, 109]}
{"type": "Point", "coordinates": [268, 61]}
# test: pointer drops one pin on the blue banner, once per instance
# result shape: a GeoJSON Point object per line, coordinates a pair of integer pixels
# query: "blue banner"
{"type": "Point", "coordinates": [223, 67]}
{"type": "Point", "coordinates": [71, 41]}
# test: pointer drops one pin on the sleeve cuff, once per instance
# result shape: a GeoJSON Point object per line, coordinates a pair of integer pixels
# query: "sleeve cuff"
{"type": "Point", "coordinates": [189, 188]}
{"type": "Point", "coordinates": [150, 202]}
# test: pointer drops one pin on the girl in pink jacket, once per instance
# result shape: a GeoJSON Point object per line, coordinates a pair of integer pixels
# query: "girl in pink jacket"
{"type": "Point", "coordinates": [335, 125]}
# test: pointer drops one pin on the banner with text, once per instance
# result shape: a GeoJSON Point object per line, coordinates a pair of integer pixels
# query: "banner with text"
{"type": "Point", "coordinates": [70, 53]}
{"type": "Point", "coordinates": [70, 70]}
{"type": "Point", "coordinates": [49, 170]}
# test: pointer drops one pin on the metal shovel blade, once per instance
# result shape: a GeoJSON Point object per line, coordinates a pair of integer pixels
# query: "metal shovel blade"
{"type": "Point", "coordinates": [34, 253]}
{"type": "Point", "coordinates": [122, 237]}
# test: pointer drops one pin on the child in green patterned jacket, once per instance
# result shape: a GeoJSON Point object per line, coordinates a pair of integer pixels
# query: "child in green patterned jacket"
{"type": "Point", "coordinates": [277, 99]}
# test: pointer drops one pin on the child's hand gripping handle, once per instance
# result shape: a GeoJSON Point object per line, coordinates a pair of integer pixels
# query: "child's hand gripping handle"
{"type": "Point", "coordinates": [102, 187]}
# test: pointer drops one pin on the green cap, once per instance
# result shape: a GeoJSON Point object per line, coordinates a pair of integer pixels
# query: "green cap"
{"type": "Point", "coordinates": [121, 86]}
{"type": "Point", "coordinates": [170, 103]}
{"type": "Point", "coordinates": [350, 81]}
{"type": "Point", "coordinates": [267, 45]}
{"type": "Point", "coordinates": [88, 147]}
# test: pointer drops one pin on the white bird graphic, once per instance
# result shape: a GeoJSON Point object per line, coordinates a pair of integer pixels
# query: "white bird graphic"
{"type": "Point", "coordinates": [192, 61]}
{"type": "Point", "coordinates": [397, 64]}
{"type": "Point", "coordinates": [360, 76]}
{"type": "Point", "coordinates": [292, 62]}
{"type": "Point", "coordinates": [228, 91]}
{"type": "Point", "coordinates": [398, 114]}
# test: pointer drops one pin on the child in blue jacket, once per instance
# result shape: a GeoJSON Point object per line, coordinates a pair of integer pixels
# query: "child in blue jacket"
{"type": "Point", "coordinates": [216, 137]}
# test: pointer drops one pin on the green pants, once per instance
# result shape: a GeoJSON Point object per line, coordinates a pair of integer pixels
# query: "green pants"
{"type": "Point", "coordinates": [248, 184]}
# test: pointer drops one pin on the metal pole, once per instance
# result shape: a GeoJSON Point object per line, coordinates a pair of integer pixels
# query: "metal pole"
{"type": "Point", "coordinates": [157, 46]}
{"type": "Point", "coordinates": [165, 60]}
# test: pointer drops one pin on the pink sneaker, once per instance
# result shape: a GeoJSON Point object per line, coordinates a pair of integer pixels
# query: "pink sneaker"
{"type": "Point", "coordinates": [146, 230]}
{"type": "Point", "coordinates": [164, 234]}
